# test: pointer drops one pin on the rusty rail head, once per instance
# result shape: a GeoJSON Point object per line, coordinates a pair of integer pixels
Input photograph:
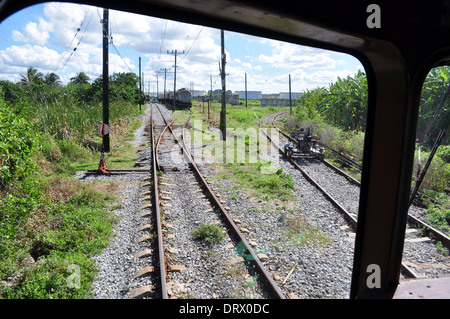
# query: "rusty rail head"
{"type": "Point", "coordinates": [228, 218]}
{"type": "Point", "coordinates": [438, 235]}
{"type": "Point", "coordinates": [162, 262]}
{"type": "Point", "coordinates": [233, 226]}
{"type": "Point", "coordinates": [344, 212]}
{"type": "Point", "coordinates": [347, 215]}
{"type": "Point", "coordinates": [160, 137]}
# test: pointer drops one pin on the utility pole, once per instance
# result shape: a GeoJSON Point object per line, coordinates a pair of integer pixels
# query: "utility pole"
{"type": "Point", "coordinates": [223, 120]}
{"type": "Point", "coordinates": [210, 97]}
{"type": "Point", "coordinates": [175, 76]}
{"type": "Point", "coordinates": [157, 86]}
{"type": "Point", "coordinates": [245, 89]}
{"type": "Point", "coordinates": [165, 77]}
{"type": "Point", "coordinates": [140, 83]}
{"type": "Point", "coordinates": [105, 133]}
{"type": "Point", "coordinates": [290, 96]}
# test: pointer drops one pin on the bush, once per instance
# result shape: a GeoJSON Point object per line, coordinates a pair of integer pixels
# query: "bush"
{"type": "Point", "coordinates": [443, 152]}
{"type": "Point", "coordinates": [437, 176]}
{"type": "Point", "coordinates": [241, 115]}
{"type": "Point", "coordinates": [16, 141]}
{"type": "Point", "coordinates": [209, 233]}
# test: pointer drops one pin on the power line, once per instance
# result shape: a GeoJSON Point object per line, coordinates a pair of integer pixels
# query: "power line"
{"type": "Point", "coordinates": [70, 44]}
{"type": "Point", "coordinates": [121, 57]}
{"type": "Point", "coordinates": [192, 44]}
{"type": "Point", "coordinates": [115, 48]}
{"type": "Point", "coordinates": [62, 68]}
{"type": "Point", "coordinates": [163, 36]}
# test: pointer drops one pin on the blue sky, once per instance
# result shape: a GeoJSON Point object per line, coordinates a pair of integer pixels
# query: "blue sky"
{"type": "Point", "coordinates": [45, 36]}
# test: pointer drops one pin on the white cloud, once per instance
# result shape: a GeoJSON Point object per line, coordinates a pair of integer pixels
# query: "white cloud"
{"type": "Point", "coordinates": [33, 33]}
{"type": "Point", "coordinates": [65, 20]}
{"type": "Point", "coordinates": [288, 56]}
{"type": "Point", "coordinates": [51, 39]}
{"type": "Point", "coordinates": [29, 55]}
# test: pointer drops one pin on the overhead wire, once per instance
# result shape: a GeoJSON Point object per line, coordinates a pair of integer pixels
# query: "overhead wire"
{"type": "Point", "coordinates": [75, 49]}
{"type": "Point", "coordinates": [163, 35]}
{"type": "Point", "coordinates": [70, 44]}
{"type": "Point", "coordinates": [114, 47]}
{"type": "Point", "coordinates": [192, 44]}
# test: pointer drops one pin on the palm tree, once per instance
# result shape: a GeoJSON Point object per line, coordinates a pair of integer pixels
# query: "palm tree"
{"type": "Point", "coordinates": [32, 78]}
{"type": "Point", "coordinates": [52, 79]}
{"type": "Point", "coordinates": [80, 78]}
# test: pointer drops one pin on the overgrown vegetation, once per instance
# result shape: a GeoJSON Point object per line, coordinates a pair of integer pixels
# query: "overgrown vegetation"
{"type": "Point", "coordinates": [338, 114]}
{"type": "Point", "coordinates": [301, 233]}
{"type": "Point", "coordinates": [209, 233]}
{"type": "Point", "coordinates": [266, 185]}
{"type": "Point", "coordinates": [51, 224]}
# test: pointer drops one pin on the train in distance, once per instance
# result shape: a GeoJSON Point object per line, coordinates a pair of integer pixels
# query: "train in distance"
{"type": "Point", "coordinates": [182, 98]}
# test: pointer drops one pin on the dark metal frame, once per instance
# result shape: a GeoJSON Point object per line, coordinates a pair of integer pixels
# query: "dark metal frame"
{"type": "Point", "coordinates": [412, 39]}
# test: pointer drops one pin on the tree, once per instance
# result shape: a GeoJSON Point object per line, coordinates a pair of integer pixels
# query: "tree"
{"type": "Point", "coordinates": [31, 78]}
{"type": "Point", "coordinates": [122, 86]}
{"type": "Point", "coordinates": [434, 109]}
{"type": "Point", "coordinates": [346, 104]}
{"type": "Point", "coordinates": [309, 104]}
{"type": "Point", "coordinates": [11, 92]}
{"type": "Point", "coordinates": [80, 78]}
{"type": "Point", "coordinates": [52, 79]}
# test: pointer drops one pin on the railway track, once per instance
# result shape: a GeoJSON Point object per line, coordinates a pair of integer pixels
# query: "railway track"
{"type": "Point", "coordinates": [191, 268]}
{"type": "Point", "coordinates": [181, 202]}
{"type": "Point", "coordinates": [314, 171]}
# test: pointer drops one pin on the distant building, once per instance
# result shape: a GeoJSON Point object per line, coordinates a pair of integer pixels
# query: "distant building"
{"type": "Point", "coordinates": [251, 95]}
{"type": "Point", "coordinates": [285, 95]}
{"type": "Point", "coordinates": [196, 93]}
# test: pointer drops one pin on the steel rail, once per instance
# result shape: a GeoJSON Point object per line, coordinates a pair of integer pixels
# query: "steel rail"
{"type": "Point", "coordinates": [348, 161]}
{"type": "Point", "coordinates": [437, 234]}
{"type": "Point", "coordinates": [161, 135]}
{"type": "Point", "coordinates": [254, 257]}
{"type": "Point", "coordinates": [344, 212]}
{"type": "Point", "coordinates": [162, 261]}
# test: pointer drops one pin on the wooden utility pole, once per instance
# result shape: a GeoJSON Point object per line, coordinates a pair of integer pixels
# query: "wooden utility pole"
{"type": "Point", "coordinates": [246, 90]}
{"type": "Point", "coordinates": [210, 97]}
{"type": "Point", "coordinates": [157, 86]}
{"type": "Point", "coordinates": [165, 77]}
{"type": "Point", "coordinates": [140, 83]}
{"type": "Point", "coordinates": [223, 113]}
{"type": "Point", "coordinates": [106, 147]}
{"type": "Point", "coordinates": [290, 96]}
{"type": "Point", "coordinates": [174, 77]}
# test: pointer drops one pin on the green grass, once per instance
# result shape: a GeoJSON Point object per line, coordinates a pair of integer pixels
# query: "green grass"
{"type": "Point", "coordinates": [50, 224]}
{"type": "Point", "coordinates": [67, 231]}
{"type": "Point", "coordinates": [248, 167]}
{"type": "Point", "coordinates": [268, 186]}
{"type": "Point", "coordinates": [301, 233]}
{"type": "Point", "coordinates": [209, 233]}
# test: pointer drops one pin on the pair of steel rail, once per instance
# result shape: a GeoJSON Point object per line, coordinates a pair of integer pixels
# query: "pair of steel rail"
{"type": "Point", "coordinates": [353, 222]}
{"type": "Point", "coordinates": [250, 254]}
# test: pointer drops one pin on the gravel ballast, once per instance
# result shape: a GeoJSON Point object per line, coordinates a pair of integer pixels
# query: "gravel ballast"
{"type": "Point", "coordinates": [301, 270]}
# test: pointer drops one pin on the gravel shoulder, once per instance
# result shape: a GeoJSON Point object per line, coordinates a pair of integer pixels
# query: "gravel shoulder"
{"type": "Point", "coordinates": [116, 264]}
